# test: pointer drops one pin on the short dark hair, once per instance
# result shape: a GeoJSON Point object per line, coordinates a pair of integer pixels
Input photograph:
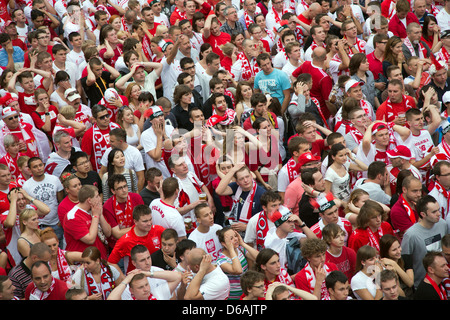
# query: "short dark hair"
{"type": "Point", "coordinates": [334, 277]}
{"type": "Point", "coordinates": [422, 204]}
{"type": "Point", "coordinates": [269, 196]}
{"type": "Point", "coordinates": [376, 168]}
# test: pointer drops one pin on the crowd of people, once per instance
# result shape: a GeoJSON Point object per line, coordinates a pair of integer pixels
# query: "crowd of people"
{"type": "Point", "coordinates": [225, 150]}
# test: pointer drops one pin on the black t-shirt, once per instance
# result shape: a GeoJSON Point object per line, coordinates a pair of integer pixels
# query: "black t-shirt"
{"type": "Point", "coordinates": [96, 91]}
{"type": "Point", "coordinates": [92, 179]}
{"type": "Point", "coordinates": [148, 196]}
{"type": "Point", "coordinates": [425, 291]}
{"type": "Point", "coordinates": [158, 260]}
{"type": "Point", "coordinates": [306, 211]}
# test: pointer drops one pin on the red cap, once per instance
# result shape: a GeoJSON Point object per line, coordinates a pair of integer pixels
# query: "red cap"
{"type": "Point", "coordinates": [306, 158]}
{"type": "Point", "coordinates": [400, 152]}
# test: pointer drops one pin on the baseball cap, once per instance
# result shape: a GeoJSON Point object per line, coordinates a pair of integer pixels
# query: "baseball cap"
{"type": "Point", "coordinates": [71, 97]}
{"type": "Point", "coordinates": [445, 33]}
{"type": "Point", "coordinates": [378, 126]}
{"type": "Point", "coordinates": [306, 158]}
{"type": "Point", "coordinates": [446, 97]}
{"type": "Point", "coordinates": [352, 83]}
{"type": "Point", "coordinates": [400, 152]}
{"type": "Point", "coordinates": [8, 111]}
{"type": "Point", "coordinates": [281, 216]}
{"type": "Point", "coordinates": [153, 112]}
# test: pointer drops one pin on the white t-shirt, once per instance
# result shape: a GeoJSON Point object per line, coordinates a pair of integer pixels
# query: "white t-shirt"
{"type": "Point", "coordinates": [169, 79]}
{"type": "Point", "coordinates": [443, 19]}
{"type": "Point", "coordinates": [148, 142]}
{"type": "Point", "coordinates": [362, 281]}
{"type": "Point", "coordinates": [250, 231]}
{"type": "Point", "coordinates": [208, 241]}
{"type": "Point", "coordinates": [159, 288]}
{"type": "Point", "coordinates": [167, 216]}
{"type": "Point", "coordinates": [215, 285]}
{"type": "Point", "coordinates": [133, 158]}
{"type": "Point", "coordinates": [73, 72]}
{"type": "Point", "coordinates": [46, 191]}
{"type": "Point", "coordinates": [280, 60]}
{"type": "Point", "coordinates": [75, 57]}
{"type": "Point", "coordinates": [279, 245]}
{"type": "Point", "coordinates": [340, 186]}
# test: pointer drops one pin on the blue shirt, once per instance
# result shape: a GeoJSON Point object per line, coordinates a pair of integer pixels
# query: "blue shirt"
{"type": "Point", "coordinates": [273, 83]}
{"type": "Point", "coordinates": [18, 56]}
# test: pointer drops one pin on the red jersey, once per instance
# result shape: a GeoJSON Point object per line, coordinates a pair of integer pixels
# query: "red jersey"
{"type": "Point", "coordinates": [124, 245]}
{"type": "Point", "coordinates": [346, 262]}
{"type": "Point", "coordinates": [76, 226]}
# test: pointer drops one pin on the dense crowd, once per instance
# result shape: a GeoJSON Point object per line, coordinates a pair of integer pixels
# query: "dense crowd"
{"type": "Point", "coordinates": [224, 150]}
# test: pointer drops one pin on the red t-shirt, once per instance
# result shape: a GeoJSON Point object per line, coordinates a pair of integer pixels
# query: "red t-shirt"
{"type": "Point", "coordinates": [217, 41]}
{"type": "Point", "coordinates": [65, 206]}
{"type": "Point", "coordinates": [375, 65]}
{"type": "Point", "coordinates": [27, 62]}
{"type": "Point", "coordinates": [381, 113]}
{"type": "Point", "coordinates": [346, 262]}
{"type": "Point", "coordinates": [76, 226]}
{"type": "Point", "coordinates": [87, 143]}
{"type": "Point", "coordinates": [110, 215]}
{"type": "Point", "coordinates": [39, 118]}
{"type": "Point", "coordinates": [27, 102]}
{"type": "Point", "coordinates": [322, 84]}
{"type": "Point", "coordinates": [124, 245]}
{"type": "Point", "coordinates": [117, 53]}
{"type": "Point", "coordinates": [360, 237]}
{"type": "Point", "coordinates": [302, 283]}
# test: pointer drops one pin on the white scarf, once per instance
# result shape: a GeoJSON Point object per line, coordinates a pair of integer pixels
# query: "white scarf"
{"type": "Point", "coordinates": [246, 211]}
{"type": "Point", "coordinates": [409, 45]}
{"type": "Point", "coordinates": [37, 294]}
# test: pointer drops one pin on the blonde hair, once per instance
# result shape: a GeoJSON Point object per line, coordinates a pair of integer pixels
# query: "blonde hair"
{"type": "Point", "coordinates": [26, 215]}
{"type": "Point", "coordinates": [160, 30]}
{"type": "Point", "coordinates": [68, 112]}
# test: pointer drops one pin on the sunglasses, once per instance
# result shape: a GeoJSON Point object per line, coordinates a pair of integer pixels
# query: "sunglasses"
{"type": "Point", "coordinates": [106, 116]}
{"type": "Point", "coordinates": [14, 117]}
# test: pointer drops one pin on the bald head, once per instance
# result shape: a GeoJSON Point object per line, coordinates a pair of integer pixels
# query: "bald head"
{"type": "Point", "coordinates": [319, 54]}
{"type": "Point", "coordinates": [196, 256]}
{"type": "Point", "coordinates": [315, 9]}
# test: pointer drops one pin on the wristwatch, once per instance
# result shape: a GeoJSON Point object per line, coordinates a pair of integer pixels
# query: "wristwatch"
{"type": "Point", "coordinates": [151, 273]}
{"type": "Point", "coordinates": [303, 225]}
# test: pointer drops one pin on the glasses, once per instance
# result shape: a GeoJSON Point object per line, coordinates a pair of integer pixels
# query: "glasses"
{"type": "Point", "coordinates": [124, 187]}
{"type": "Point", "coordinates": [259, 287]}
{"type": "Point", "coordinates": [106, 116]}
{"type": "Point", "coordinates": [83, 163]}
{"type": "Point", "coordinates": [13, 117]}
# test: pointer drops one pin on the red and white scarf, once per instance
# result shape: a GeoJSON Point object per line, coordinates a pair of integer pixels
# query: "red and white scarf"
{"type": "Point", "coordinates": [124, 218]}
{"type": "Point", "coordinates": [150, 297]}
{"type": "Point", "coordinates": [311, 278]}
{"type": "Point", "coordinates": [106, 285]}
{"type": "Point", "coordinates": [226, 119]}
{"type": "Point", "coordinates": [438, 287]}
{"type": "Point", "coordinates": [37, 294]}
{"type": "Point", "coordinates": [64, 271]}
{"type": "Point", "coordinates": [12, 164]}
{"type": "Point", "coordinates": [390, 110]}
{"type": "Point", "coordinates": [246, 211]}
{"type": "Point", "coordinates": [319, 108]}
{"type": "Point", "coordinates": [262, 226]}
{"type": "Point", "coordinates": [183, 197]}
{"type": "Point", "coordinates": [293, 169]}
{"type": "Point", "coordinates": [248, 68]}
{"type": "Point", "coordinates": [124, 25]}
{"type": "Point", "coordinates": [28, 138]}
{"type": "Point", "coordinates": [146, 48]}
{"type": "Point", "coordinates": [446, 195]}
{"type": "Point", "coordinates": [248, 20]}
{"type": "Point", "coordinates": [373, 241]}
{"type": "Point", "coordinates": [422, 49]}
{"type": "Point", "coordinates": [443, 55]}
{"type": "Point", "coordinates": [409, 210]}
{"type": "Point", "coordinates": [100, 143]}
{"type": "Point", "coordinates": [277, 15]}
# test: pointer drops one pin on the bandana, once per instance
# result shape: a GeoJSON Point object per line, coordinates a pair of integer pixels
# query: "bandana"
{"type": "Point", "coordinates": [124, 219]}
{"type": "Point", "coordinates": [106, 286]}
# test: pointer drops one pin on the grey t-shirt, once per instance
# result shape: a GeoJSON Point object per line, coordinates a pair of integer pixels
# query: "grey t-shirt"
{"type": "Point", "coordinates": [417, 241]}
